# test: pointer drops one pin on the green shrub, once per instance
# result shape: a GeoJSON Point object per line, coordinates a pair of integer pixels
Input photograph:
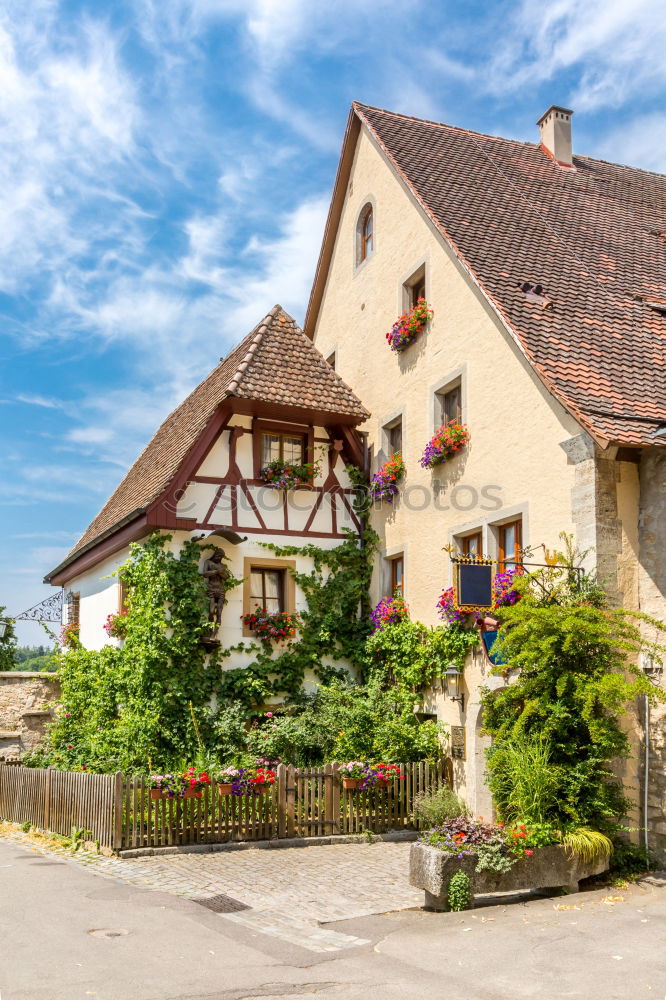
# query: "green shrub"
{"type": "Point", "coordinates": [630, 859]}
{"type": "Point", "coordinates": [432, 808]}
{"type": "Point", "coordinates": [460, 892]}
{"type": "Point", "coordinates": [522, 778]}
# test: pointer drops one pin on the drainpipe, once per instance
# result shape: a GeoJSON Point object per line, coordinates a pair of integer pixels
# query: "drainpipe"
{"type": "Point", "coordinates": [646, 781]}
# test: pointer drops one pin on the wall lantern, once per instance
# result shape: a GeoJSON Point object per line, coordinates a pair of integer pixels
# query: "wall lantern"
{"type": "Point", "coordinates": [452, 677]}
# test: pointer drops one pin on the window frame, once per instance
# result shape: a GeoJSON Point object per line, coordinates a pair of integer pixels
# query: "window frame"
{"type": "Point", "coordinates": [72, 614]}
{"type": "Point", "coordinates": [415, 283]}
{"type": "Point", "coordinates": [362, 251]}
{"type": "Point", "coordinates": [261, 427]}
{"type": "Point", "coordinates": [465, 541]}
{"type": "Point", "coordinates": [394, 562]}
{"type": "Point", "coordinates": [288, 584]}
{"type": "Point", "coordinates": [441, 397]}
{"type": "Point", "coordinates": [517, 523]}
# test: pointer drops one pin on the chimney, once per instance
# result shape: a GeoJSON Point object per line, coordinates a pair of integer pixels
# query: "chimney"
{"type": "Point", "coordinates": [555, 135]}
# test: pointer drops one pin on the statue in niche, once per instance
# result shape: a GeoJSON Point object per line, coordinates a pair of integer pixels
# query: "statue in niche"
{"type": "Point", "coordinates": [217, 577]}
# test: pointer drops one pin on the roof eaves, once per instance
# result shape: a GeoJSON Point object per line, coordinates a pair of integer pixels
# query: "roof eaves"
{"type": "Point", "coordinates": [103, 535]}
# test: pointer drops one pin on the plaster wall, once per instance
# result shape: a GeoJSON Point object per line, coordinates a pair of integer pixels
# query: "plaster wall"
{"type": "Point", "coordinates": [514, 463]}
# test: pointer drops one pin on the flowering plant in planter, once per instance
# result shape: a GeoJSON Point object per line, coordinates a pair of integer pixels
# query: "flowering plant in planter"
{"type": "Point", "coordinates": [447, 441]}
{"type": "Point", "coordinates": [271, 625]}
{"type": "Point", "coordinates": [166, 785]}
{"type": "Point", "coordinates": [407, 327]}
{"type": "Point", "coordinates": [384, 483]}
{"type": "Point", "coordinates": [389, 611]}
{"type": "Point", "coordinates": [355, 769]}
{"type": "Point", "coordinates": [446, 608]}
{"type": "Point", "coordinates": [504, 594]}
{"type": "Point", "coordinates": [384, 774]}
{"type": "Point", "coordinates": [285, 475]}
{"type": "Point", "coordinates": [69, 635]}
{"type": "Point", "coordinates": [116, 625]}
{"type": "Point", "coordinates": [253, 781]}
{"type": "Point", "coordinates": [193, 782]}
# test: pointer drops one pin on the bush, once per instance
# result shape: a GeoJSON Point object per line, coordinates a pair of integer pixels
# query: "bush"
{"type": "Point", "coordinates": [522, 779]}
{"type": "Point", "coordinates": [435, 807]}
{"type": "Point", "coordinates": [460, 892]}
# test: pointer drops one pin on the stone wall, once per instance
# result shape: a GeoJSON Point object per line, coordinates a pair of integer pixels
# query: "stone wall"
{"type": "Point", "coordinates": [652, 589]}
{"type": "Point", "coordinates": [25, 700]}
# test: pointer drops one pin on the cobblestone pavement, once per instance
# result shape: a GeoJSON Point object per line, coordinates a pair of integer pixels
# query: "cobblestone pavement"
{"type": "Point", "coordinates": [287, 893]}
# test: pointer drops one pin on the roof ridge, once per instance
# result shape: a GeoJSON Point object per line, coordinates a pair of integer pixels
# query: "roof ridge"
{"type": "Point", "coordinates": [263, 328]}
{"type": "Point", "coordinates": [429, 121]}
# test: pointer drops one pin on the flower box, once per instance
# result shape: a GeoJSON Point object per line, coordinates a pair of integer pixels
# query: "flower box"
{"type": "Point", "coordinates": [156, 794]}
{"type": "Point", "coordinates": [191, 793]}
{"type": "Point", "coordinates": [352, 784]}
{"type": "Point", "coordinates": [224, 789]}
{"type": "Point", "coordinates": [271, 626]}
{"type": "Point", "coordinates": [447, 441]}
{"type": "Point", "coordinates": [286, 476]}
{"type": "Point", "coordinates": [409, 326]}
{"type": "Point", "coordinates": [384, 484]}
{"type": "Point", "coordinates": [549, 867]}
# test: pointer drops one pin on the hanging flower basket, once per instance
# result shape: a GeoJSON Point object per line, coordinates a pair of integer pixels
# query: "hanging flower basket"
{"type": "Point", "coordinates": [445, 444]}
{"type": "Point", "coordinates": [384, 483]}
{"type": "Point", "coordinates": [115, 626]}
{"type": "Point", "coordinates": [272, 626]}
{"type": "Point", "coordinates": [286, 476]}
{"type": "Point", "coordinates": [389, 611]}
{"type": "Point", "coordinates": [69, 635]}
{"type": "Point", "coordinates": [409, 326]}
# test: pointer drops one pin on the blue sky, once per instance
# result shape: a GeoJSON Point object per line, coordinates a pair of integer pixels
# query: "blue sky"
{"type": "Point", "coordinates": [165, 169]}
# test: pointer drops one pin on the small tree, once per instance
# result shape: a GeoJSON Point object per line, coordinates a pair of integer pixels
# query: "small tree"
{"type": "Point", "coordinates": [576, 673]}
{"type": "Point", "coordinates": [7, 643]}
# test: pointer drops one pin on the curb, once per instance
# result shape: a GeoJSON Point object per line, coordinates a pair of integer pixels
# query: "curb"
{"type": "Point", "coordinates": [395, 836]}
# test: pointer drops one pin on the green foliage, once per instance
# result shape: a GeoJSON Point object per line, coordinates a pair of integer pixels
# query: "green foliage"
{"type": "Point", "coordinates": [522, 778]}
{"type": "Point", "coordinates": [460, 892]}
{"type": "Point", "coordinates": [345, 721]}
{"type": "Point", "coordinates": [493, 858]}
{"type": "Point", "coordinates": [629, 859]}
{"type": "Point", "coordinates": [574, 670]}
{"type": "Point", "coordinates": [7, 643]}
{"type": "Point", "coordinates": [588, 845]}
{"type": "Point", "coordinates": [410, 655]}
{"type": "Point", "coordinates": [122, 708]}
{"type": "Point", "coordinates": [435, 807]}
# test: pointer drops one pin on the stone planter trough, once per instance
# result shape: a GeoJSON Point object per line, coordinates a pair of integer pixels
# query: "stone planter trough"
{"type": "Point", "coordinates": [549, 868]}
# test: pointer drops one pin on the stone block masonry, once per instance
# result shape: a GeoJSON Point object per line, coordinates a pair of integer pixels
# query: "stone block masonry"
{"type": "Point", "coordinates": [25, 700]}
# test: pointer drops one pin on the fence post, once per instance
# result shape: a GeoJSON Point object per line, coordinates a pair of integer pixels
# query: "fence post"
{"type": "Point", "coordinates": [335, 799]}
{"type": "Point", "coordinates": [283, 779]}
{"type": "Point", "coordinates": [118, 811]}
{"type": "Point", "coordinates": [291, 801]}
{"type": "Point", "coordinates": [47, 800]}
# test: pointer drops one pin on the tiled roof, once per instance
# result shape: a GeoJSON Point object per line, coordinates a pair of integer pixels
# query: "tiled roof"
{"type": "Point", "coordinates": [275, 363]}
{"type": "Point", "coordinates": [593, 237]}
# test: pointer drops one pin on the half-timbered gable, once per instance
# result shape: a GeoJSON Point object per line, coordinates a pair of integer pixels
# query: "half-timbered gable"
{"type": "Point", "coordinates": [274, 397]}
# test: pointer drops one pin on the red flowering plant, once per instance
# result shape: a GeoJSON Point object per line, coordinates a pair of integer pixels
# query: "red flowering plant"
{"type": "Point", "coordinates": [252, 780]}
{"type": "Point", "coordinates": [389, 611]}
{"type": "Point", "coordinates": [70, 635]}
{"type": "Point", "coordinates": [287, 475]}
{"type": "Point", "coordinates": [407, 327]}
{"type": "Point", "coordinates": [447, 441]}
{"type": "Point", "coordinates": [193, 780]}
{"type": "Point", "coordinates": [115, 626]}
{"type": "Point", "coordinates": [384, 483]}
{"type": "Point", "coordinates": [504, 592]}
{"type": "Point", "coordinates": [447, 610]}
{"type": "Point", "coordinates": [383, 775]}
{"type": "Point", "coordinates": [271, 626]}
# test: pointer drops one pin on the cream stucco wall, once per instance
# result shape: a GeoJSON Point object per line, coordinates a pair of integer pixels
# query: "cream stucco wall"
{"type": "Point", "coordinates": [514, 463]}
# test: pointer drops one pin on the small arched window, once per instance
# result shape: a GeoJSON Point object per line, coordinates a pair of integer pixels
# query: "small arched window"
{"type": "Point", "coordinates": [364, 234]}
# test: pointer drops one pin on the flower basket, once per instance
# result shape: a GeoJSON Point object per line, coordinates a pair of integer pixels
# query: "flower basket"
{"type": "Point", "coordinates": [271, 626]}
{"type": "Point", "coordinates": [285, 476]}
{"type": "Point", "coordinates": [224, 789]}
{"type": "Point", "coordinates": [191, 793]}
{"type": "Point", "coordinates": [447, 441]}
{"type": "Point", "coordinates": [409, 326]}
{"type": "Point", "coordinates": [352, 784]}
{"type": "Point", "coordinates": [384, 484]}
{"type": "Point", "coordinates": [389, 611]}
{"type": "Point", "coordinates": [156, 794]}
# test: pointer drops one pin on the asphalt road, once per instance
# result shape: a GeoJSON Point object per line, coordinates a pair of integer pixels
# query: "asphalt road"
{"type": "Point", "coordinates": [67, 934]}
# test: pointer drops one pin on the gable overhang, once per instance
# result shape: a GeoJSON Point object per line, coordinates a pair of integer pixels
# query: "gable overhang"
{"type": "Point", "coordinates": [355, 122]}
{"type": "Point", "coordinates": [130, 529]}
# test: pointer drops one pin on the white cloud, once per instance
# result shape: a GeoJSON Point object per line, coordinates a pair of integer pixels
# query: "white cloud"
{"type": "Point", "coordinates": [616, 49]}
{"type": "Point", "coordinates": [639, 142]}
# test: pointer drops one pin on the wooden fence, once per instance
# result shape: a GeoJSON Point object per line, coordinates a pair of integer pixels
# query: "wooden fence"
{"type": "Point", "coordinates": [303, 802]}
{"type": "Point", "coordinates": [59, 800]}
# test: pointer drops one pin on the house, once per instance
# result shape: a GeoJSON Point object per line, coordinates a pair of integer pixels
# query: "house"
{"type": "Point", "coordinates": [546, 275]}
{"type": "Point", "coordinates": [273, 398]}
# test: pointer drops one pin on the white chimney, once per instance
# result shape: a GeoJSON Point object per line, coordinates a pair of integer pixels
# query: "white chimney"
{"type": "Point", "coordinates": [555, 134]}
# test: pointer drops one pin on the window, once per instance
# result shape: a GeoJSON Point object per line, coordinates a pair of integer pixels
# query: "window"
{"type": "Point", "coordinates": [397, 565]}
{"type": "Point", "coordinates": [510, 544]}
{"type": "Point", "coordinates": [472, 545]}
{"type": "Point", "coordinates": [282, 447]}
{"type": "Point", "coordinates": [393, 432]}
{"type": "Point", "coordinates": [267, 588]}
{"type": "Point", "coordinates": [449, 405]}
{"type": "Point", "coordinates": [268, 583]}
{"type": "Point", "coordinates": [365, 236]}
{"type": "Point", "coordinates": [415, 288]}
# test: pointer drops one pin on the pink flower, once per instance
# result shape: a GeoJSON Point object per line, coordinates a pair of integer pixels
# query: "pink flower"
{"type": "Point", "coordinates": [529, 853]}
{"type": "Point", "coordinates": [269, 715]}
